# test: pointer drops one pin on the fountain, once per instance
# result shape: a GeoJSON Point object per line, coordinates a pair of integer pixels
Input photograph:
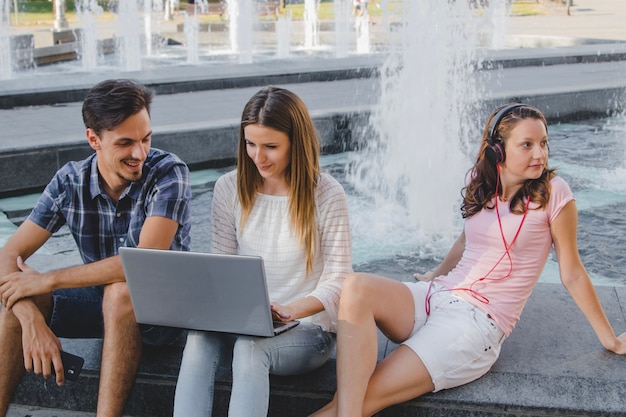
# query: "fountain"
{"type": "Point", "coordinates": [425, 127]}
{"type": "Point", "coordinates": [311, 39]}
{"type": "Point", "coordinates": [5, 41]}
{"type": "Point", "coordinates": [191, 37]}
{"type": "Point", "coordinates": [423, 132]}
{"type": "Point", "coordinates": [342, 26]}
{"type": "Point", "coordinates": [86, 11]}
{"type": "Point", "coordinates": [494, 25]}
{"type": "Point", "coordinates": [362, 29]}
{"type": "Point", "coordinates": [139, 36]}
{"type": "Point", "coordinates": [147, 25]}
{"type": "Point", "coordinates": [191, 29]}
{"type": "Point", "coordinates": [283, 35]}
{"type": "Point", "coordinates": [240, 31]}
{"type": "Point", "coordinates": [245, 27]}
{"type": "Point", "coordinates": [129, 45]}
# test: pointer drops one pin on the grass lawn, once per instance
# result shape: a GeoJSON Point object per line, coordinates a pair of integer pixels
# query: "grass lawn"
{"type": "Point", "coordinates": [527, 8]}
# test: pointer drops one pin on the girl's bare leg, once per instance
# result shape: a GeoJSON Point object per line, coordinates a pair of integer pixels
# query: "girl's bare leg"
{"type": "Point", "coordinates": [329, 410]}
{"type": "Point", "coordinates": [401, 376]}
{"type": "Point", "coordinates": [369, 301]}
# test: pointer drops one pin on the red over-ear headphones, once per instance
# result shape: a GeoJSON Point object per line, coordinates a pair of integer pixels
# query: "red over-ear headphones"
{"type": "Point", "coordinates": [494, 152]}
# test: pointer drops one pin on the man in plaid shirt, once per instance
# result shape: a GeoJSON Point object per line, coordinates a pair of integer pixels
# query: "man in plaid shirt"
{"type": "Point", "coordinates": [125, 194]}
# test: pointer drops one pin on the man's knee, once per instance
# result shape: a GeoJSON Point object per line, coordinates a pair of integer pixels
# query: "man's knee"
{"type": "Point", "coordinates": [116, 304]}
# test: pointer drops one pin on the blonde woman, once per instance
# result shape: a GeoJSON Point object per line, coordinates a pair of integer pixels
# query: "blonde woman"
{"type": "Point", "coordinates": [278, 205]}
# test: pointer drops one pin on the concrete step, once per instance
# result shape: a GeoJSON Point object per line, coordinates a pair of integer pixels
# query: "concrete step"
{"type": "Point", "coordinates": [57, 88]}
{"type": "Point", "coordinates": [200, 125]}
{"type": "Point", "coordinates": [552, 365]}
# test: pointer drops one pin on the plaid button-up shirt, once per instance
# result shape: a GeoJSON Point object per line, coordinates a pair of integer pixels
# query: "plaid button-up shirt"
{"type": "Point", "coordinates": [100, 226]}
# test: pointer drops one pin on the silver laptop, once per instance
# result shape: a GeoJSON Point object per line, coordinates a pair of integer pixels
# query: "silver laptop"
{"type": "Point", "coordinates": [200, 291]}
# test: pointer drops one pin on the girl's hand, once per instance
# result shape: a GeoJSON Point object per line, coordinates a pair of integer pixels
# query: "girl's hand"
{"type": "Point", "coordinates": [620, 345]}
{"type": "Point", "coordinates": [426, 276]}
{"type": "Point", "coordinates": [280, 312]}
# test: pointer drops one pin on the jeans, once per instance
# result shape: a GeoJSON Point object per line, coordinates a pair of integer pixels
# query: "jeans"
{"type": "Point", "coordinates": [299, 350]}
{"type": "Point", "coordinates": [77, 313]}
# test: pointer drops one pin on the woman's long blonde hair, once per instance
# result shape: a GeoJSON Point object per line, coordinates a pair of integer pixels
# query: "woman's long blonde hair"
{"type": "Point", "coordinates": [284, 111]}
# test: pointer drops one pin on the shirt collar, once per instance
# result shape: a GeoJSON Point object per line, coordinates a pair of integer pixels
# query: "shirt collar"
{"type": "Point", "coordinates": [95, 183]}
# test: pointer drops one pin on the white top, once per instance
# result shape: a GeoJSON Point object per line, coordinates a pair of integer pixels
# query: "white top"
{"type": "Point", "coordinates": [268, 234]}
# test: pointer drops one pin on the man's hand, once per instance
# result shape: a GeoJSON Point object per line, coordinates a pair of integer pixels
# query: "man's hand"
{"type": "Point", "coordinates": [25, 283]}
{"type": "Point", "coordinates": [42, 350]}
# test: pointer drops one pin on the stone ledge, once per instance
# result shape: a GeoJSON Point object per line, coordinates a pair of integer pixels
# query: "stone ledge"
{"type": "Point", "coordinates": [210, 144]}
{"type": "Point", "coordinates": [552, 365]}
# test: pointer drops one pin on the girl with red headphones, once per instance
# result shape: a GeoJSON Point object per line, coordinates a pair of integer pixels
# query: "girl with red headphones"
{"type": "Point", "coordinates": [451, 323]}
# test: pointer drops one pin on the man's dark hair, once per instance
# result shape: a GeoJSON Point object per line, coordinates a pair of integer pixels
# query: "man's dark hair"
{"type": "Point", "coordinates": [109, 103]}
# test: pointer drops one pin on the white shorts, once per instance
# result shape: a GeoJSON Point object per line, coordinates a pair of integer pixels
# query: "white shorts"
{"type": "Point", "coordinates": [458, 342]}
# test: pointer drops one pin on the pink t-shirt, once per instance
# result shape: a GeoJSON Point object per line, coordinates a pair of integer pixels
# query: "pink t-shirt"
{"type": "Point", "coordinates": [503, 292]}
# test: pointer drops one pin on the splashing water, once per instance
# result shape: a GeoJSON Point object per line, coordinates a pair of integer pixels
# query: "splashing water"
{"type": "Point", "coordinates": [86, 11]}
{"type": "Point", "coordinates": [240, 14]}
{"type": "Point", "coordinates": [130, 47]}
{"type": "Point", "coordinates": [5, 41]}
{"type": "Point", "coordinates": [341, 9]}
{"type": "Point", "coordinates": [311, 38]}
{"type": "Point", "coordinates": [424, 130]}
{"type": "Point", "coordinates": [192, 37]}
{"type": "Point", "coordinates": [362, 29]}
{"type": "Point", "coordinates": [283, 36]}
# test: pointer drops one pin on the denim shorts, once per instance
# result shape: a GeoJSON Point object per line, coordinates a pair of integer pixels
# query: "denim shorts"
{"type": "Point", "coordinates": [458, 342]}
{"type": "Point", "coordinates": [77, 313]}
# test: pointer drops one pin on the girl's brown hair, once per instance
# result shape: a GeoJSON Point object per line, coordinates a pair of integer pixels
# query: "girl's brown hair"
{"type": "Point", "coordinates": [481, 189]}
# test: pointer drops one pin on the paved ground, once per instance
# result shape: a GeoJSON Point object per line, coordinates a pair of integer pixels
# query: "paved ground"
{"type": "Point", "coordinates": [22, 411]}
{"type": "Point", "coordinates": [588, 19]}
{"type": "Point", "coordinates": [601, 19]}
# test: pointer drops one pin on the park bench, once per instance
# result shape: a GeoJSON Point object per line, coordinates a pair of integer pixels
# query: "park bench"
{"type": "Point", "coordinates": [66, 36]}
{"type": "Point", "coordinates": [268, 8]}
{"type": "Point", "coordinates": [214, 8]}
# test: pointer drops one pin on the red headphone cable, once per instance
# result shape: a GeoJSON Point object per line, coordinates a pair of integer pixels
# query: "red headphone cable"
{"type": "Point", "coordinates": [506, 253]}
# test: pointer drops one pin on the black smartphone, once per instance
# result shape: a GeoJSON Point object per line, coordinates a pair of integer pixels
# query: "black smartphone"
{"type": "Point", "coordinates": [72, 365]}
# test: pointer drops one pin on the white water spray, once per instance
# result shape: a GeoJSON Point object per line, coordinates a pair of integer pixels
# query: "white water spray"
{"type": "Point", "coordinates": [240, 29]}
{"type": "Point", "coordinates": [5, 41]}
{"type": "Point", "coordinates": [311, 36]}
{"type": "Point", "coordinates": [342, 9]}
{"type": "Point", "coordinates": [129, 28]}
{"type": "Point", "coordinates": [425, 128]}
{"type": "Point", "coordinates": [87, 11]}
{"type": "Point", "coordinates": [191, 37]}
{"type": "Point", "coordinates": [233, 20]}
{"type": "Point", "coordinates": [494, 25]}
{"type": "Point", "coordinates": [283, 36]}
{"type": "Point", "coordinates": [147, 25]}
{"type": "Point", "coordinates": [362, 29]}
